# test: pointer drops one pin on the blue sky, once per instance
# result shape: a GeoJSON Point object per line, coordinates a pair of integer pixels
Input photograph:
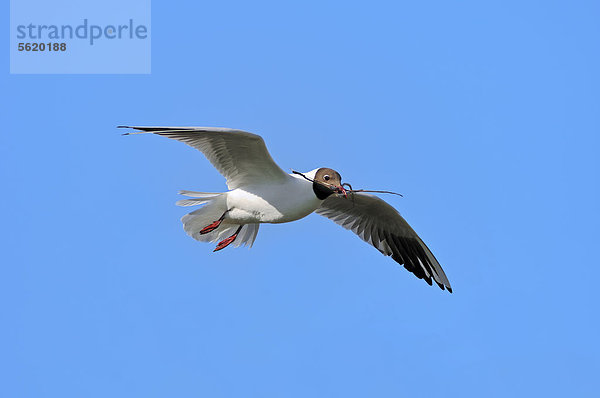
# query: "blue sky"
{"type": "Point", "coordinates": [483, 114]}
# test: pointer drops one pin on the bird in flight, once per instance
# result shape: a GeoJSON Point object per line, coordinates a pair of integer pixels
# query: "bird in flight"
{"type": "Point", "coordinates": [261, 192]}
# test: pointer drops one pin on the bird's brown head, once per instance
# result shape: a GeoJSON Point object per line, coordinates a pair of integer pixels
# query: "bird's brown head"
{"type": "Point", "coordinates": [326, 182]}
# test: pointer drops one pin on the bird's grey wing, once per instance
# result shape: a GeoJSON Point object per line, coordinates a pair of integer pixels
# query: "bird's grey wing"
{"type": "Point", "coordinates": [379, 224]}
{"type": "Point", "coordinates": [241, 157]}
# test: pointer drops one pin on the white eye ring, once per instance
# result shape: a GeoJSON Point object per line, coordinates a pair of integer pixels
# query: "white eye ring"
{"type": "Point", "coordinates": [326, 177]}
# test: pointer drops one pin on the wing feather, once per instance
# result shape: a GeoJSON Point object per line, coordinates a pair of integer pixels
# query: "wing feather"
{"type": "Point", "coordinates": [380, 225]}
{"type": "Point", "coordinates": [241, 157]}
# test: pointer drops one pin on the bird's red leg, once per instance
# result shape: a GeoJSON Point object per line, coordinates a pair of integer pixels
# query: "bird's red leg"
{"type": "Point", "coordinates": [226, 242]}
{"type": "Point", "coordinates": [213, 226]}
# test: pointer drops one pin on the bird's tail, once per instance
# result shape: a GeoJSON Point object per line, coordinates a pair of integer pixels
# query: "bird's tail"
{"type": "Point", "coordinates": [198, 198]}
{"type": "Point", "coordinates": [215, 205]}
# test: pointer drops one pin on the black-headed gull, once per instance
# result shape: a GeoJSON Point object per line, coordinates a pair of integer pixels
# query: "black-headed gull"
{"type": "Point", "coordinates": [261, 192]}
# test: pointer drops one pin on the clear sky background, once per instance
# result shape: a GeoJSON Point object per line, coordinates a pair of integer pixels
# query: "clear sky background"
{"type": "Point", "coordinates": [485, 115]}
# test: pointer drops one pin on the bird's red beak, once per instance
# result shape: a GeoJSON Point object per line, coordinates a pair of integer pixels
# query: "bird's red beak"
{"type": "Point", "coordinates": [341, 190]}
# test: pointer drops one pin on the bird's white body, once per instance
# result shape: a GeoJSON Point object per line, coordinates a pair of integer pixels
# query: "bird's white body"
{"type": "Point", "coordinates": [288, 201]}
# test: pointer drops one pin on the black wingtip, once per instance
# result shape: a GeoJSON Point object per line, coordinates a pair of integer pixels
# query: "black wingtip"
{"type": "Point", "coordinates": [137, 130]}
{"type": "Point", "coordinates": [444, 287]}
{"type": "Point", "coordinates": [124, 127]}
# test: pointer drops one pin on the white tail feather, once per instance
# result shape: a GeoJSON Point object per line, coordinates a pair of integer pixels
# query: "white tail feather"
{"type": "Point", "coordinates": [247, 235]}
{"type": "Point", "coordinates": [215, 206]}
{"type": "Point", "coordinates": [194, 194]}
{"type": "Point", "coordinates": [191, 202]}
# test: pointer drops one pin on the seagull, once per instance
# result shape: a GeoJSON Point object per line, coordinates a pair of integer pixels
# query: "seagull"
{"type": "Point", "coordinates": [261, 192]}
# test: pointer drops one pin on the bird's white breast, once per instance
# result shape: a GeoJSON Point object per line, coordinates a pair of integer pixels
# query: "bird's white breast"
{"type": "Point", "coordinates": [279, 203]}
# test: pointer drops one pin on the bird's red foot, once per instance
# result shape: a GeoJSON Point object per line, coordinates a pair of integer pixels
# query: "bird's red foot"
{"type": "Point", "coordinates": [226, 242]}
{"type": "Point", "coordinates": [211, 227]}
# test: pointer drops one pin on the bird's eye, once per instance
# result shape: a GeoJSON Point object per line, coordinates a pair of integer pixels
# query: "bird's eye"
{"type": "Point", "coordinates": [326, 177]}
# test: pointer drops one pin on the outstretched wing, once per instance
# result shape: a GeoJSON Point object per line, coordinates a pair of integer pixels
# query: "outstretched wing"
{"type": "Point", "coordinates": [241, 157]}
{"type": "Point", "coordinates": [379, 224]}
